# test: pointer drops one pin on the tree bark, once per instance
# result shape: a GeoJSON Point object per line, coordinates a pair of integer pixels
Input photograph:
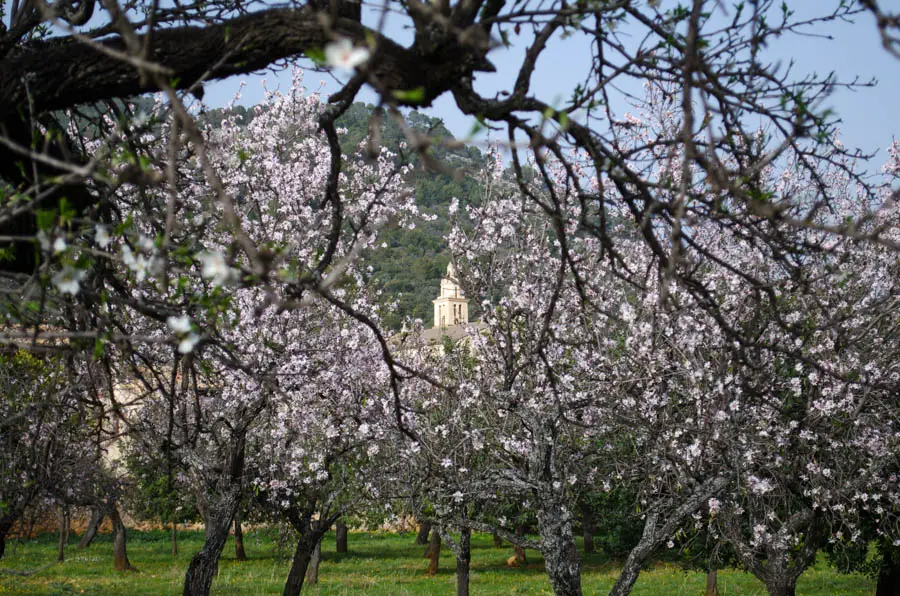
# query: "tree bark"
{"type": "Point", "coordinates": [654, 534]}
{"type": "Point", "coordinates": [424, 529]}
{"type": "Point", "coordinates": [560, 553]}
{"type": "Point", "coordinates": [340, 533]}
{"type": "Point", "coordinates": [63, 72]}
{"type": "Point", "coordinates": [636, 557]}
{"type": "Point", "coordinates": [587, 527]}
{"type": "Point", "coordinates": [520, 550]}
{"type": "Point", "coordinates": [63, 513]}
{"type": "Point", "coordinates": [782, 587]}
{"type": "Point", "coordinates": [120, 538]}
{"type": "Point", "coordinates": [93, 526]}
{"type": "Point", "coordinates": [312, 572]}
{"type": "Point", "coordinates": [712, 582]}
{"type": "Point", "coordinates": [299, 565]}
{"type": "Point", "coordinates": [239, 553]}
{"type": "Point", "coordinates": [433, 552]}
{"type": "Point", "coordinates": [498, 542]}
{"type": "Point", "coordinates": [204, 565]}
{"type": "Point", "coordinates": [463, 559]}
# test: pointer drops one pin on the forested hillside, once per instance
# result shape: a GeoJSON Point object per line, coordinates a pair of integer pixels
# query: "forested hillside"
{"type": "Point", "coordinates": [409, 266]}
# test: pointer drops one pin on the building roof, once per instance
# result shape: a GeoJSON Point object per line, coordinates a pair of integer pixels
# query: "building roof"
{"type": "Point", "coordinates": [454, 332]}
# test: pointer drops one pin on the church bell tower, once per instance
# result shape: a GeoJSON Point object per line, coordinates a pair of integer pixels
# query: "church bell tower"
{"type": "Point", "coordinates": [451, 307]}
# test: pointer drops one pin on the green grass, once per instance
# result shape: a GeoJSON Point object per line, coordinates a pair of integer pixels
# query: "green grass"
{"type": "Point", "coordinates": [378, 564]}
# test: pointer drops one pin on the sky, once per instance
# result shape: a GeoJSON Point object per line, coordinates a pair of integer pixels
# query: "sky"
{"type": "Point", "coordinates": [870, 117]}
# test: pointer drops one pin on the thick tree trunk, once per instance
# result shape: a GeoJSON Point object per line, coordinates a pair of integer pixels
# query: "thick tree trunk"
{"type": "Point", "coordinates": [312, 572]}
{"type": "Point", "coordinates": [433, 552]}
{"type": "Point", "coordinates": [299, 566]}
{"type": "Point", "coordinates": [120, 538]}
{"type": "Point", "coordinates": [93, 526]}
{"type": "Point", "coordinates": [560, 553]}
{"type": "Point", "coordinates": [498, 542]}
{"type": "Point", "coordinates": [587, 527]}
{"type": "Point", "coordinates": [340, 535]}
{"type": "Point", "coordinates": [888, 580]}
{"type": "Point", "coordinates": [781, 587]}
{"type": "Point", "coordinates": [520, 550]}
{"type": "Point", "coordinates": [204, 565]}
{"type": "Point", "coordinates": [712, 583]}
{"type": "Point", "coordinates": [174, 540]}
{"type": "Point", "coordinates": [422, 536]}
{"type": "Point", "coordinates": [239, 553]}
{"type": "Point", "coordinates": [463, 558]}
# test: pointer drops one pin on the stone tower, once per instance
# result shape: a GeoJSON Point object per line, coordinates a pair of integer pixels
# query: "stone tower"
{"type": "Point", "coordinates": [451, 307]}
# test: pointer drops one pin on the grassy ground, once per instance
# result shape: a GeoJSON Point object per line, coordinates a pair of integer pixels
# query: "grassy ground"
{"type": "Point", "coordinates": [378, 564]}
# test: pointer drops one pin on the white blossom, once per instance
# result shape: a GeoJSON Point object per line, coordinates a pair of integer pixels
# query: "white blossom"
{"type": "Point", "coordinates": [101, 236]}
{"type": "Point", "coordinates": [59, 245]}
{"type": "Point", "coordinates": [187, 345]}
{"type": "Point", "coordinates": [342, 54]}
{"type": "Point", "coordinates": [179, 324]}
{"type": "Point", "coordinates": [68, 280]}
{"type": "Point", "coordinates": [214, 267]}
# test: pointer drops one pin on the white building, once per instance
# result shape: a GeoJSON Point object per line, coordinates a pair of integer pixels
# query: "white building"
{"type": "Point", "coordinates": [451, 307]}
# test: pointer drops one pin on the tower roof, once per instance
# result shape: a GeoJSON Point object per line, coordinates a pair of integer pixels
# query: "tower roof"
{"type": "Point", "coordinates": [451, 271]}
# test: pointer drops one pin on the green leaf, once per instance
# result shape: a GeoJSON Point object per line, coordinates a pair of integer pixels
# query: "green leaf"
{"type": "Point", "coordinates": [411, 95]}
{"type": "Point", "coordinates": [66, 211]}
{"type": "Point", "coordinates": [317, 55]}
{"type": "Point", "coordinates": [46, 218]}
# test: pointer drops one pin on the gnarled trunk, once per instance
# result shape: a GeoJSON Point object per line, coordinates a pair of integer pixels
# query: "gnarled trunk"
{"type": "Point", "coordinates": [340, 537]}
{"type": "Point", "coordinates": [636, 558]}
{"type": "Point", "coordinates": [120, 540]}
{"type": "Point", "coordinates": [204, 565]}
{"type": "Point", "coordinates": [239, 553]}
{"type": "Point", "coordinates": [560, 553]}
{"type": "Point", "coordinates": [93, 526]}
{"type": "Point", "coordinates": [498, 542]}
{"type": "Point", "coordinates": [782, 586]}
{"type": "Point", "coordinates": [463, 559]}
{"type": "Point", "coordinates": [654, 534]}
{"type": "Point", "coordinates": [424, 529]}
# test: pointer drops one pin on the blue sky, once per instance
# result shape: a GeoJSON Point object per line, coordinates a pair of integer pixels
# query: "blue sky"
{"type": "Point", "coordinates": [871, 116]}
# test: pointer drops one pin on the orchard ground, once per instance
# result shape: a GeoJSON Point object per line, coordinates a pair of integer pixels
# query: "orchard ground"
{"type": "Point", "coordinates": [377, 564]}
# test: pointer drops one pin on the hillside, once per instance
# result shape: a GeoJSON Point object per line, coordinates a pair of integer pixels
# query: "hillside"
{"type": "Point", "coordinates": [409, 269]}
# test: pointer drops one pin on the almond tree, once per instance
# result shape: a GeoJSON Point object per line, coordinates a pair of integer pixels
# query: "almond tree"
{"type": "Point", "coordinates": [212, 364]}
